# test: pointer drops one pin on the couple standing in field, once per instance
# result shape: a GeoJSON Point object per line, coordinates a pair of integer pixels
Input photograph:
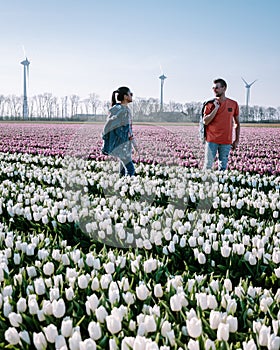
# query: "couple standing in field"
{"type": "Point", "coordinates": [219, 116]}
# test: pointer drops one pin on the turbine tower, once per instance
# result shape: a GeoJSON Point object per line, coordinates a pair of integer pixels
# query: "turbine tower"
{"type": "Point", "coordinates": [25, 64]}
{"type": "Point", "coordinates": [162, 78]}
{"type": "Point", "coordinates": [248, 86]}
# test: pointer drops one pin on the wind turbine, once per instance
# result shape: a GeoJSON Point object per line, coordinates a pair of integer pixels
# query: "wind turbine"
{"type": "Point", "coordinates": [25, 64]}
{"type": "Point", "coordinates": [248, 86]}
{"type": "Point", "coordinates": [162, 78]}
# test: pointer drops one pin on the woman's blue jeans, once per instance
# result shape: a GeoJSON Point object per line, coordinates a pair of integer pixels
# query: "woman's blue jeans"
{"type": "Point", "coordinates": [127, 168]}
{"type": "Point", "coordinates": [211, 150]}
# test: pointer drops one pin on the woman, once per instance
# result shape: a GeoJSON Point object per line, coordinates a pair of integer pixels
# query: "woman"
{"type": "Point", "coordinates": [117, 134]}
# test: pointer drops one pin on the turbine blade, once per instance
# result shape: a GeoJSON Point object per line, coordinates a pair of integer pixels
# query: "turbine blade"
{"type": "Point", "coordinates": [253, 82]}
{"type": "Point", "coordinates": [160, 67]}
{"type": "Point", "coordinates": [244, 81]}
{"type": "Point", "coordinates": [24, 53]}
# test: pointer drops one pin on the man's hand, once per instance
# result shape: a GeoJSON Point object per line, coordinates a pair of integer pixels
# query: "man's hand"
{"type": "Point", "coordinates": [234, 145]}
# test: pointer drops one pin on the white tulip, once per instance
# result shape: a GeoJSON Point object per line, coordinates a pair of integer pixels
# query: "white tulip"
{"type": "Point", "coordinates": [51, 333]}
{"type": "Point", "coordinates": [54, 293]}
{"type": "Point", "coordinates": [212, 301]}
{"type": "Point", "coordinates": [105, 281]}
{"type": "Point", "coordinates": [158, 292]}
{"type": "Point", "coordinates": [25, 337]}
{"type": "Point", "coordinates": [176, 302]}
{"type": "Point", "coordinates": [202, 300]}
{"type": "Point", "coordinates": [225, 251]}
{"type": "Point", "coordinates": [75, 339]}
{"type": "Point", "coordinates": [215, 319]}
{"type": "Point", "coordinates": [31, 271]}
{"type": "Point", "coordinates": [276, 256]}
{"type": "Point", "coordinates": [47, 307]}
{"type": "Point", "coordinates": [275, 326]}
{"type": "Point", "coordinates": [142, 292]}
{"type": "Point", "coordinates": [194, 327]}
{"type": "Point", "coordinates": [39, 286]}
{"type": "Point", "coordinates": [165, 328]}
{"type": "Point", "coordinates": [132, 325]}
{"type": "Point", "coordinates": [60, 342]}
{"type": "Point", "coordinates": [193, 345]}
{"type": "Point", "coordinates": [264, 335]}
{"type": "Point", "coordinates": [89, 259]}
{"type": "Point", "coordinates": [91, 303]}
{"type": "Point", "coordinates": [273, 342]}
{"type": "Point", "coordinates": [58, 308]}
{"type": "Point", "coordinates": [82, 282]}
{"type": "Point", "coordinates": [12, 336]}
{"type": "Point", "coordinates": [15, 319]}
{"type": "Point", "coordinates": [95, 284]}
{"type": "Point", "coordinates": [33, 306]}
{"type": "Point", "coordinates": [201, 258]}
{"type": "Point", "coordinates": [41, 315]}
{"type": "Point", "coordinates": [113, 324]}
{"type": "Point", "coordinates": [150, 265]}
{"type": "Point", "coordinates": [223, 332]}
{"type": "Point", "coordinates": [113, 292]}
{"type": "Point", "coordinates": [94, 330]}
{"type": "Point", "coordinates": [231, 306]}
{"type": "Point", "coordinates": [192, 241]}
{"type": "Point", "coordinates": [233, 323]}
{"type": "Point", "coordinates": [171, 337]}
{"type": "Point", "coordinates": [30, 249]}
{"type": "Point", "coordinates": [101, 314]}
{"type": "Point", "coordinates": [277, 272]}
{"type": "Point", "coordinates": [215, 245]}
{"type": "Point", "coordinates": [109, 268]}
{"type": "Point", "coordinates": [16, 258]}
{"type": "Point", "coordinates": [250, 345]}
{"type": "Point", "coordinates": [124, 284]}
{"type": "Point", "coordinates": [265, 303]}
{"type": "Point", "coordinates": [150, 324]}
{"type": "Point", "coordinates": [129, 298]}
{"type": "Point", "coordinates": [39, 341]}
{"type": "Point", "coordinates": [228, 284]}
{"type": "Point", "coordinates": [67, 327]}
{"type": "Point", "coordinates": [61, 218]}
{"type": "Point", "coordinates": [48, 268]}
{"type": "Point", "coordinates": [113, 344]}
{"type": "Point", "coordinates": [127, 343]}
{"type": "Point", "coordinates": [21, 305]}
{"type": "Point", "coordinates": [210, 345]}
{"type": "Point", "coordinates": [183, 242]}
{"type": "Point", "coordinates": [65, 259]}
{"type": "Point", "coordinates": [87, 344]}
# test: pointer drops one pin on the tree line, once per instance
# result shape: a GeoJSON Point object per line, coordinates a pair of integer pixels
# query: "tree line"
{"type": "Point", "coordinates": [71, 108]}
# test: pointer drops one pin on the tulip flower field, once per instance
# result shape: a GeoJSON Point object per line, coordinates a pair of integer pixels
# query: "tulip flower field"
{"type": "Point", "coordinates": [172, 258]}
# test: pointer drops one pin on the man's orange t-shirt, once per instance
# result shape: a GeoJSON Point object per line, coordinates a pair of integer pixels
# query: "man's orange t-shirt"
{"type": "Point", "coordinates": [220, 129]}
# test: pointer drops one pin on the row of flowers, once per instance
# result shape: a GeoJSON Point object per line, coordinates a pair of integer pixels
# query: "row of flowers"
{"type": "Point", "coordinates": [190, 260]}
{"type": "Point", "coordinates": [258, 151]}
{"type": "Point", "coordinates": [55, 294]}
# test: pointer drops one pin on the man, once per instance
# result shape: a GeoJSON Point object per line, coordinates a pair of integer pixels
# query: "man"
{"type": "Point", "coordinates": [220, 115]}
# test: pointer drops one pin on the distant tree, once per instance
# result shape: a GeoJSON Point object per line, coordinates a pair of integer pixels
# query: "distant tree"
{"type": "Point", "coordinates": [270, 113]}
{"type": "Point", "coordinates": [2, 105]}
{"type": "Point", "coordinates": [64, 109]}
{"type": "Point", "coordinates": [94, 102]}
{"type": "Point", "coordinates": [74, 104]}
{"type": "Point", "coordinates": [14, 104]}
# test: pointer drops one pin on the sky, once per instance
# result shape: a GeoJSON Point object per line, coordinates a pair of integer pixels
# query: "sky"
{"type": "Point", "coordinates": [92, 46]}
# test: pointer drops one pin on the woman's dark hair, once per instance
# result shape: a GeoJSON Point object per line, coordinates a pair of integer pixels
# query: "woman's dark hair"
{"type": "Point", "coordinates": [123, 90]}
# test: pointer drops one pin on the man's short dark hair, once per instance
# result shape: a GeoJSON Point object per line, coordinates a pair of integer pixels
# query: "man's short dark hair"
{"type": "Point", "coordinates": [221, 81]}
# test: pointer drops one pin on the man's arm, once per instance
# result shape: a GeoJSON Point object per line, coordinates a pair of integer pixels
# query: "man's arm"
{"type": "Point", "coordinates": [237, 132]}
{"type": "Point", "coordinates": [209, 117]}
